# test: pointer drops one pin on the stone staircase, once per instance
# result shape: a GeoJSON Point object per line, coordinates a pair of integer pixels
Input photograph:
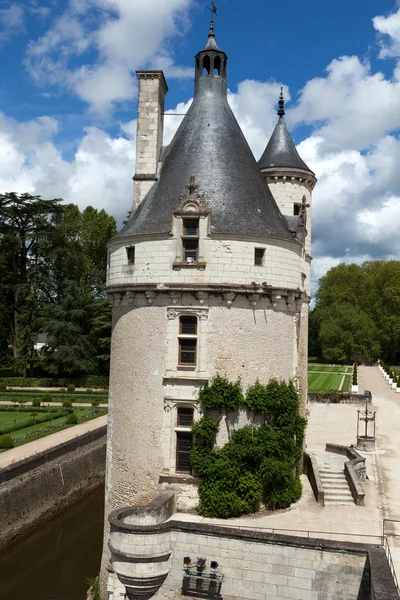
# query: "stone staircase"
{"type": "Point", "coordinates": [336, 488]}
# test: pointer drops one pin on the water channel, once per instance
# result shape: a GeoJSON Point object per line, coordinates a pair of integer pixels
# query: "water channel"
{"type": "Point", "coordinates": [54, 562]}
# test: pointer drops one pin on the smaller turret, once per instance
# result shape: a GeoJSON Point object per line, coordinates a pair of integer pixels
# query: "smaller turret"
{"type": "Point", "coordinates": [290, 180]}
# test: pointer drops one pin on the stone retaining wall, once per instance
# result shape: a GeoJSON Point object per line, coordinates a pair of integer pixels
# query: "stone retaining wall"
{"type": "Point", "coordinates": [37, 488]}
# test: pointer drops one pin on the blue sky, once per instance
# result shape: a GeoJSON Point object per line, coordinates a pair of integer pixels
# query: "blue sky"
{"type": "Point", "coordinates": [68, 100]}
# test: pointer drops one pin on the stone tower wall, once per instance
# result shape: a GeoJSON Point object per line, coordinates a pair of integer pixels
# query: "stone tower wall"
{"type": "Point", "coordinates": [147, 385]}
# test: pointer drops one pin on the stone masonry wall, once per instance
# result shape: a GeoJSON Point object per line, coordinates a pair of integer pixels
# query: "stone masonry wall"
{"type": "Point", "coordinates": [36, 489]}
{"type": "Point", "coordinates": [227, 262]}
{"type": "Point", "coordinates": [259, 571]}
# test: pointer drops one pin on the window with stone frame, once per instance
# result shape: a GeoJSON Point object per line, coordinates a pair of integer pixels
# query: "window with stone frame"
{"type": "Point", "coordinates": [130, 255]}
{"type": "Point", "coordinates": [187, 341]}
{"type": "Point", "coordinates": [259, 257]}
{"type": "Point", "coordinates": [184, 439]}
{"type": "Point", "coordinates": [190, 240]}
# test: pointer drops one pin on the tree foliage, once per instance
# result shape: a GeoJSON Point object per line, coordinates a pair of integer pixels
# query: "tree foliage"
{"type": "Point", "coordinates": [259, 463]}
{"type": "Point", "coordinates": [357, 313]}
{"type": "Point", "coordinates": [53, 264]}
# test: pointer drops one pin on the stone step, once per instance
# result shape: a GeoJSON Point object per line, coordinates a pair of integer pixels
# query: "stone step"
{"type": "Point", "coordinates": [332, 475]}
{"type": "Point", "coordinates": [335, 485]}
{"type": "Point", "coordinates": [338, 502]}
{"type": "Point", "coordinates": [338, 493]}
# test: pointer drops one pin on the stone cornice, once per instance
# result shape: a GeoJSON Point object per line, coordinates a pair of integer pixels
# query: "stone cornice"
{"type": "Point", "coordinates": [278, 298]}
{"type": "Point", "coordinates": [154, 75]}
{"type": "Point", "coordinates": [290, 175]}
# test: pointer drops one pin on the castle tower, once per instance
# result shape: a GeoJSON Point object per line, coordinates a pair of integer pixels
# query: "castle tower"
{"type": "Point", "coordinates": [206, 278]}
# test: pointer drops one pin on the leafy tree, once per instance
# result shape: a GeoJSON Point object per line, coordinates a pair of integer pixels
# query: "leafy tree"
{"type": "Point", "coordinates": [357, 313]}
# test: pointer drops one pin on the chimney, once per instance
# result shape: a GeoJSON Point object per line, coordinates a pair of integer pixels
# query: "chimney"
{"type": "Point", "coordinates": [150, 128]}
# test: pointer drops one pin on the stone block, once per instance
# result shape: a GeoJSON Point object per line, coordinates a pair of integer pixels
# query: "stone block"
{"type": "Point", "coordinates": [299, 582]}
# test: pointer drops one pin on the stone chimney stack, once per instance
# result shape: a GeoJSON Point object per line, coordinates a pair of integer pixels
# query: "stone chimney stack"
{"type": "Point", "coordinates": [150, 128]}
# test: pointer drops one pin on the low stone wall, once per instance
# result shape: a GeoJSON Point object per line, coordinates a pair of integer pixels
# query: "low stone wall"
{"type": "Point", "coordinates": [310, 468]}
{"type": "Point", "coordinates": [156, 558]}
{"type": "Point", "coordinates": [37, 488]}
{"type": "Point", "coordinates": [340, 397]}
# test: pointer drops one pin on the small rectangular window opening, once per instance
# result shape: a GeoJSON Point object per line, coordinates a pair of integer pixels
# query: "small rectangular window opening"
{"type": "Point", "coordinates": [130, 253]}
{"type": "Point", "coordinates": [259, 256]}
{"type": "Point", "coordinates": [190, 250]}
{"type": "Point", "coordinates": [184, 443]}
{"type": "Point", "coordinates": [296, 209]}
{"type": "Point", "coordinates": [185, 417]}
{"type": "Point", "coordinates": [187, 341]}
{"type": "Point", "coordinates": [190, 227]}
{"type": "Point", "coordinates": [190, 240]}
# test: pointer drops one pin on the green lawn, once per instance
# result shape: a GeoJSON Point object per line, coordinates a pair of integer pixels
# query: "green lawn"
{"type": "Point", "coordinates": [7, 419]}
{"type": "Point", "coordinates": [59, 421]}
{"type": "Point", "coordinates": [323, 382]}
{"type": "Point", "coordinates": [329, 369]}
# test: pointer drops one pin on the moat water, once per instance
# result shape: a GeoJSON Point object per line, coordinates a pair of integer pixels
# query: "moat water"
{"type": "Point", "coordinates": [54, 562]}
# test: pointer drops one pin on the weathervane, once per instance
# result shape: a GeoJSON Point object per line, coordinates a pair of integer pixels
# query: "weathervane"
{"type": "Point", "coordinates": [213, 8]}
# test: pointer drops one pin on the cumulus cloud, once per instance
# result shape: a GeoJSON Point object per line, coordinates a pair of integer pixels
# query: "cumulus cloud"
{"type": "Point", "coordinates": [123, 35]}
{"type": "Point", "coordinates": [12, 20]}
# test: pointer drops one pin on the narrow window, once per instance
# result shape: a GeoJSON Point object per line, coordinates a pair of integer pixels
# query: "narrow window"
{"type": "Point", "coordinates": [296, 209]}
{"type": "Point", "coordinates": [259, 256]}
{"type": "Point", "coordinates": [130, 253]}
{"type": "Point", "coordinates": [185, 417]}
{"type": "Point", "coordinates": [217, 66]}
{"type": "Point", "coordinates": [206, 65]}
{"type": "Point", "coordinates": [188, 341]}
{"type": "Point", "coordinates": [190, 240]}
{"type": "Point", "coordinates": [184, 443]}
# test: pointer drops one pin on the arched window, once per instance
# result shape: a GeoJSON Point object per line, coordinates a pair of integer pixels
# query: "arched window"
{"type": "Point", "coordinates": [217, 65]}
{"type": "Point", "coordinates": [206, 65]}
{"type": "Point", "coordinates": [187, 341]}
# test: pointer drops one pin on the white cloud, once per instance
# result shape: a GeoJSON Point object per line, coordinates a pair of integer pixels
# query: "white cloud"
{"type": "Point", "coordinates": [389, 26]}
{"type": "Point", "coordinates": [123, 35]}
{"type": "Point", "coordinates": [11, 21]}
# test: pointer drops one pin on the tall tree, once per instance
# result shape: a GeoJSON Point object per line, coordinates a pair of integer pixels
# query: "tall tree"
{"type": "Point", "coordinates": [24, 227]}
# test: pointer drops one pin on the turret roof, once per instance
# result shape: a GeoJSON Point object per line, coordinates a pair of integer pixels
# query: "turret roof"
{"type": "Point", "coordinates": [210, 146]}
{"type": "Point", "coordinates": [281, 151]}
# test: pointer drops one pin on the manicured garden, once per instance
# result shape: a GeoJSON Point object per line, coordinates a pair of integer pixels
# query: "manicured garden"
{"type": "Point", "coordinates": [19, 425]}
{"type": "Point", "coordinates": [324, 378]}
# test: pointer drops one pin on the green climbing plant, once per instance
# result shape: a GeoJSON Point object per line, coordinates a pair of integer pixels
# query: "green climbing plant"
{"type": "Point", "coordinates": [260, 463]}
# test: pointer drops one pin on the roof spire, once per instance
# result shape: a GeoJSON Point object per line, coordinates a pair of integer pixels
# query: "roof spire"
{"type": "Point", "coordinates": [213, 10]}
{"type": "Point", "coordinates": [281, 103]}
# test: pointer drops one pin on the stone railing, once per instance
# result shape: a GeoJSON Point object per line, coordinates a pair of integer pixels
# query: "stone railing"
{"type": "Point", "coordinates": [354, 469]}
{"type": "Point", "coordinates": [340, 397]}
{"type": "Point", "coordinates": [310, 468]}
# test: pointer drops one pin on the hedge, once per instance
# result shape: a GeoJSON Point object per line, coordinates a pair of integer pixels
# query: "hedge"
{"type": "Point", "coordinates": [92, 381]}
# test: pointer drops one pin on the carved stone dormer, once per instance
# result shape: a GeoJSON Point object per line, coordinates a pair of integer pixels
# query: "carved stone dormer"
{"type": "Point", "coordinates": [193, 201]}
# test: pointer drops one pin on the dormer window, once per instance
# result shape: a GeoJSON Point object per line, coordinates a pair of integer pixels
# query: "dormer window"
{"type": "Point", "coordinates": [190, 240]}
{"type": "Point", "coordinates": [130, 255]}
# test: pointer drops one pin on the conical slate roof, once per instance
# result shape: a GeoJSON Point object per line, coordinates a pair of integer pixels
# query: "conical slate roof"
{"type": "Point", "coordinates": [281, 151]}
{"type": "Point", "coordinates": [210, 146]}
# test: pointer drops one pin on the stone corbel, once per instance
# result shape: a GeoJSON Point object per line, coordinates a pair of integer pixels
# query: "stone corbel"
{"type": "Point", "coordinates": [129, 299]}
{"type": "Point", "coordinates": [175, 297]}
{"type": "Point", "coordinates": [117, 300]}
{"type": "Point", "coordinates": [254, 299]}
{"type": "Point", "coordinates": [229, 298]}
{"type": "Point", "coordinates": [291, 302]}
{"type": "Point", "coordinates": [275, 300]}
{"type": "Point", "coordinates": [201, 297]}
{"type": "Point", "coordinates": [151, 296]}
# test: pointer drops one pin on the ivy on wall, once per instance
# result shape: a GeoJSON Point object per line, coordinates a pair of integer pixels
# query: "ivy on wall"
{"type": "Point", "coordinates": [260, 462]}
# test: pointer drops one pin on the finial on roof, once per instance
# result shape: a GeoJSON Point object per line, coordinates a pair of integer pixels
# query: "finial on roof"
{"type": "Point", "coordinates": [213, 10]}
{"type": "Point", "coordinates": [281, 103]}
